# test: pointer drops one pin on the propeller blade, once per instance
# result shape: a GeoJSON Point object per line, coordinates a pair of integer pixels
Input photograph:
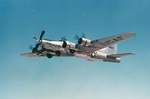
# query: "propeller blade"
{"type": "Point", "coordinates": [34, 37]}
{"type": "Point", "coordinates": [83, 35]}
{"type": "Point", "coordinates": [63, 38]}
{"type": "Point", "coordinates": [37, 45]}
{"type": "Point", "coordinates": [30, 47]}
{"type": "Point", "coordinates": [76, 37]}
{"type": "Point", "coordinates": [42, 34]}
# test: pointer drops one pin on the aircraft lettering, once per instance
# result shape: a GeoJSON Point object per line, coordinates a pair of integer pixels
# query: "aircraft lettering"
{"type": "Point", "coordinates": [108, 42]}
{"type": "Point", "coordinates": [111, 47]}
{"type": "Point", "coordinates": [119, 38]}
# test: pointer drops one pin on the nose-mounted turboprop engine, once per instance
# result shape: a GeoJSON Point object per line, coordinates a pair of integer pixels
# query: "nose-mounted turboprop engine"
{"type": "Point", "coordinates": [35, 49]}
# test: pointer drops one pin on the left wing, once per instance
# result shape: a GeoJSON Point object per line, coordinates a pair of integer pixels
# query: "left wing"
{"type": "Point", "coordinates": [33, 55]}
{"type": "Point", "coordinates": [44, 55]}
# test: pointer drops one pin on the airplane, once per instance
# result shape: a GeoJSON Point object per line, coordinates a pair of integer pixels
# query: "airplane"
{"type": "Point", "coordinates": [104, 49]}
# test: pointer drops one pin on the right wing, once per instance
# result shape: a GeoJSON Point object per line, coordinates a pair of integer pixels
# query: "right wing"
{"type": "Point", "coordinates": [106, 42]}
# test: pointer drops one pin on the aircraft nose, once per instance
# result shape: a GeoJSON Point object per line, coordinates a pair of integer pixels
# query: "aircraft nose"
{"type": "Point", "coordinates": [37, 41]}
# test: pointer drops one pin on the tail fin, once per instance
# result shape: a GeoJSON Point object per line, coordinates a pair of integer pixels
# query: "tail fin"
{"type": "Point", "coordinates": [110, 50]}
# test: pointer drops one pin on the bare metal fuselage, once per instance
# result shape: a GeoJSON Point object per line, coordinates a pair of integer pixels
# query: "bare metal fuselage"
{"type": "Point", "coordinates": [86, 54]}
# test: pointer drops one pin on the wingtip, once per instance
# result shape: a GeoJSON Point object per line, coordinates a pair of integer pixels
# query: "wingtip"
{"type": "Point", "coordinates": [21, 54]}
{"type": "Point", "coordinates": [43, 30]}
{"type": "Point", "coordinates": [132, 33]}
{"type": "Point", "coordinates": [132, 53]}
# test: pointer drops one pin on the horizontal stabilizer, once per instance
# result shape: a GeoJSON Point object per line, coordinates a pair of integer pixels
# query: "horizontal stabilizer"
{"type": "Point", "coordinates": [120, 55]}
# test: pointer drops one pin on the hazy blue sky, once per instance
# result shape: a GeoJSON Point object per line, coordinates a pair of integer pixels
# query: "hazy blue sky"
{"type": "Point", "coordinates": [73, 78]}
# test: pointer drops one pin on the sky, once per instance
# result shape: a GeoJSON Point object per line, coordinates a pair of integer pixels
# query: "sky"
{"type": "Point", "coordinates": [71, 77]}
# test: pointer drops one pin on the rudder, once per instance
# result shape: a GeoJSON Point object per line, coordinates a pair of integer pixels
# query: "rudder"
{"type": "Point", "coordinates": [110, 50]}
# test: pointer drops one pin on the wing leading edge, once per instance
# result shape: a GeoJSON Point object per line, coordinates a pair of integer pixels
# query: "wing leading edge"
{"type": "Point", "coordinates": [44, 55]}
{"type": "Point", "coordinates": [33, 55]}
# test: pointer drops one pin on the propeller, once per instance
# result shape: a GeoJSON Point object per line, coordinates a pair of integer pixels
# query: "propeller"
{"type": "Point", "coordinates": [76, 37]}
{"type": "Point", "coordinates": [30, 47]}
{"type": "Point", "coordinates": [63, 38]}
{"type": "Point", "coordinates": [83, 35]}
{"type": "Point", "coordinates": [38, 42]}
{"type": "Point", "coordinates": [34, 37]}
{"type": "Point", "coordinates": [43, 32]}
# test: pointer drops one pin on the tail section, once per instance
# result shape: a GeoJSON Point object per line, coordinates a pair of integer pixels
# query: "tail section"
{"type": "Point", "coordinates": [115, 57]}
{"type": "Point", "coordinates": [110, 50]}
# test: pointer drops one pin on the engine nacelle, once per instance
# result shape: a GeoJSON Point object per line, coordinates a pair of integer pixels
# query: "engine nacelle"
{"type": "Point", "coordinates": [84, 42]}
{"type": "Point", "coordinates": [69, 45]}
{"type": "Point", "coordinates": [37, 50]}
{"type": "Point", "coordinates": [98, 55]}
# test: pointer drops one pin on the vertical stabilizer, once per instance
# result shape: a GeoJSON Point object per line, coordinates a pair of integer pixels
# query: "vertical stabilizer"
{"type": "Point", "coordinates": [110, 50]}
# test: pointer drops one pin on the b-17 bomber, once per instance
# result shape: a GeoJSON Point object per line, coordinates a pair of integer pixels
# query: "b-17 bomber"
{"type": "Point", "coordinates": [104, 49]}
